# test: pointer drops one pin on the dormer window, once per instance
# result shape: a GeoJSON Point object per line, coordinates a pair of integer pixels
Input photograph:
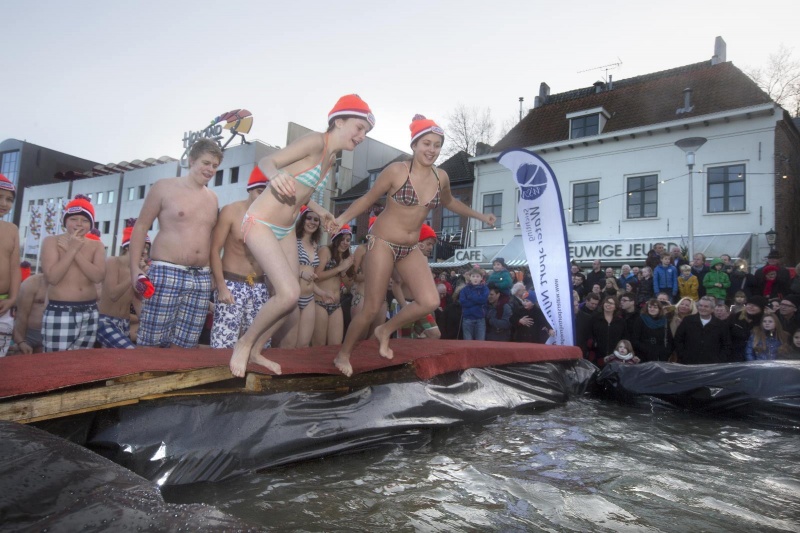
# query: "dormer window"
{"type": "Point", "coordinates": [587, 123]}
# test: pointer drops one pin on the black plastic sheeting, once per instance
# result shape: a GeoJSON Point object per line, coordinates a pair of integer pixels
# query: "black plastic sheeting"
{"type": "Point", "coordinates": [210, 438]}
{"type": "Point", "coordinates": [50, 484]}
{"type": "Point", "coordinates": [766, 392]}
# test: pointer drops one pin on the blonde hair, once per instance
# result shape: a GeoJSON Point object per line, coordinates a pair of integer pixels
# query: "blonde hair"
{"type": "Point", "coordinates": [686, 268]}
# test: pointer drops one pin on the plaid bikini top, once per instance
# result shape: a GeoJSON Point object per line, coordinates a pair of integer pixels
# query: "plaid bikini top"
{"type": "Point", "coordinates": [407, 195]}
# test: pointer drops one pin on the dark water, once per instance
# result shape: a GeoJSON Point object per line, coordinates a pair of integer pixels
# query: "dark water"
{"type": "Point", "coordinates": [586, 466]}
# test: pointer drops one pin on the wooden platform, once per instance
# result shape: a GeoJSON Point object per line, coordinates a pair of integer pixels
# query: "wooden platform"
{"type": "Point", "coordinates": [43, 386]}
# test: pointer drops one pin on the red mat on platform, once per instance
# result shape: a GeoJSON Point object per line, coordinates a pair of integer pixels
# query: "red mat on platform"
{"type": "Point", "coordinates": [37, 373]}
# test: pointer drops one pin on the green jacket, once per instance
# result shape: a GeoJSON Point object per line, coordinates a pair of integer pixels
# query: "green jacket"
{"type": "Point", "coordinates": [714, 277]}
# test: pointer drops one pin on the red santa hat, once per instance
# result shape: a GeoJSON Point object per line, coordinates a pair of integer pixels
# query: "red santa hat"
{"type": "Point", "coordinates": [128, 231]}
{"type": "Point", "coordinates": [351, 105]}
{"type": "Point", "coordinates": [6, 185]}
{"type": "Point", "coordinates": [421, 125]}
{"type": "Point", "coordinates": [25, 270]}
{"type": "Point", "coordinates": [371, 221]}
{"type": "Point", "coordinates": [81, 205]}
{"type": "Point", "coordinates": [426, 232]}
{"type": "Point", "coordinates": [257, 179]}
{"type": "Point", "coordinates": [344, 230]}
{"type": "Point", "coordinates": [94, 234]}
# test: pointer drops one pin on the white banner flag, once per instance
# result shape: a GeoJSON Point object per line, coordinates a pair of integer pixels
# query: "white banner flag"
{"type": "Point", "coordinates": [44, 220]}
{"type": "Point", "coordinates": [544, 234]}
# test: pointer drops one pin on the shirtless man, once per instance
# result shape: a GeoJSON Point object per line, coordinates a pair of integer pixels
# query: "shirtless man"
{"type": "Point", "coordinates": [10, 274]}
{"type": "Point", "coordinates": [72, 266]}
{"type": "Point", "coordinates": [30, 310]}
{"type": "Point", "coordinates": [241, 290]}
{"type": "Point", "coordinates": [118, 295]}
{"type": "Point", "coordinates": [186, 211]}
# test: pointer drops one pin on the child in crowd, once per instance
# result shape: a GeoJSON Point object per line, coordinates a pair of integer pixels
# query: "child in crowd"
{"type": "Point", "coordinates": [716, 281]}
{"type": "Point", "coordinates": [498, 316]}
{"type": "Point", "coordinates": [10, 274]}
{"type": "Point", "coordinates": [739, 301]}
{"type": "Point", "coordinates": [500, 276]}
{"type": "Point", "coordinates": [473, 298]}
{"type": "Point", "coordinates": [665, 278]}
{"type": "Point", "coordinates": [623, 354]}
{"type": "Point", "coordinates": [688, 285]}
{"type": "Point", "coordinates": [72, 266]}
{"type": "Point", "coordinates": [767, 340]}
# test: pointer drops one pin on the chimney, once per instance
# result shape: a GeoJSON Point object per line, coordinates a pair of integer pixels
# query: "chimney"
{"type": "Point", "coordinates": [720, 51]}
{"type": "Point", "coordinates": [687, 102]}
{"type": "Point", "coordinates": [610, 82]}
{"type": "Point", "coordinates": [482, 148]}
{"type": "Point", "coordinates": [544, 93]}
{"type": "Point", "coordinates": [598, 87]}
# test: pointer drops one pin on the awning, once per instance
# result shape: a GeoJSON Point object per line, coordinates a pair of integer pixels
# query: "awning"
{"type": "Point", "coordinates": [736, 245]}
{"type": "Point", "coordinates": [513, 253]}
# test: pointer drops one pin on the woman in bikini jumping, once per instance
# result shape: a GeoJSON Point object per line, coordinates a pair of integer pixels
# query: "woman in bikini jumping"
{"type": "Point", "coordinates": [294, 173]}
{"type": "Point", "coordinates": [414, 188]}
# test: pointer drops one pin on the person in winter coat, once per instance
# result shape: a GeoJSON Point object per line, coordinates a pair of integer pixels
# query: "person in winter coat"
{"type": "Point", "coordinates": [665, 278]}
{"type": "Point", "coordinates": [773, 286]}
{"type": "Point", "coordinates": [716, 281]}
{"type": "Point", "coordinates": [742, 324]}
{"type": "Point", "coordinates": [607, 329]}
{"type": "Point", "coordinates": [645, 287]}
{"type": "Point", "coordinates": [500, 276]}
{"type": "Point", "coordinates": [688, 284]}
{"type": "Point", "coordinates": [703, 338]}
{"type": "Point", "coordinates": [793, 354]}
{"type": "Point", "coordinates": [498, 317]}
{"type": "Point", "coordinates": [528, 323]}
{"type": "Point", "coordinates": [652, 337]}
{"type": "Point", "coordinates": [767, 341]}
{"type": "Point", "coordinates": [623, 354]}
{"type": "Point", "coordinates": [741, 280]}
{"type": "Point", "coordinates": [473, 299]}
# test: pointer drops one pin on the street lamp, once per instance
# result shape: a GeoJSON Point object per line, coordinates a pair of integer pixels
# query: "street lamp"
{"type": "Point", "coordinates": [771, 236]}
{"type": "Point", "coordinates": [690, 145]}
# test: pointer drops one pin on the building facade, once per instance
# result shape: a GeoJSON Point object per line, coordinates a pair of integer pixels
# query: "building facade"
{"type": "Point", "coordinates": [625, 185]}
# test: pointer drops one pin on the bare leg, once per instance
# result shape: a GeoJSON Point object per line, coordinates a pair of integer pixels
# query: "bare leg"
{"type": "Point", "coordinates": [305, 328]}
{"type": "Point", "coordinates": [279, 262]}
{"type": "Point", "coordinates": [320, 335]}
{"type": "Point", "coordinates": [335, 328]}
{"type": "Point", "coordinates": [378, 264]}
{"type": "Point", "coordinates": [426, 299]}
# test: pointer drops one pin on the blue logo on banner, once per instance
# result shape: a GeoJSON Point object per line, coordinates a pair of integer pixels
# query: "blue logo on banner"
{"type": "Point", "coordinates": [532, 181]}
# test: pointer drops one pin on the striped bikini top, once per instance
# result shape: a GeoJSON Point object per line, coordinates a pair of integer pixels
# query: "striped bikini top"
{"type": "Point", "coordinates": [302, 255]}
{"type": "Point", "coordinates": [407, 195]}
{"type": "Point", "coordinates": [311, 177]}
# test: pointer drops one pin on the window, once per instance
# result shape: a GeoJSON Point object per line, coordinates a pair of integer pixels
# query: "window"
{"type": "Point", "coordinates": [40, 201]}
{"type": "Point", "coordinates": [372, 177]}
{"type": "Point", "coordinates": [110, 197]}
{"type": "Point", "coordinates": [106, 227]}
{"type": "Point", "coordinates": [218, 178]}
{"type": "Point", "coordinates": [584, 126]}
{"type": "Point", "coordinates": [235, 175]}
{"type": "Point", "coordinates": [586, 202]}
{"type": "Point", "coordinates": [131, 194]}
{"type": "Point", "coordinates": [89, 196]}
{"type": "Point", "coordinates": [30, 204]}
{"type": "Point", "coordinates": [493, 203]}
{"type": "Point", "coordinates": [141, 192]}
{"type": "Point", "coordinates": [99, 198]}
{"type": "Point", "coordinates": [643, 196]}
{"type": "Point", "coordinates": [726, 191]}
{"type": "Point", "coordinates": [451, 222]}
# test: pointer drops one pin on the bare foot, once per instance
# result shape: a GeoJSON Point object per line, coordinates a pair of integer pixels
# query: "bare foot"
{"type": "Point", "coordinates": [383, 342]}
{"type": "Point", "coordinates": [272, 366]}
{"type": "Point", "coordinates": [342, 362]}
{"type": "Point", "coordinates": [238, 364]}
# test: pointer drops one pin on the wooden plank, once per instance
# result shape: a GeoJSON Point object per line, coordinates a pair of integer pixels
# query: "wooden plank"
{"type": "Point", "coordinates": [272, 384]}
{"type": "Point", "coordinates": [55, 404]}
{"type": "Point", "coordinates": [130, 378]}
{"type": "Point", "coordinates": [79, 411]}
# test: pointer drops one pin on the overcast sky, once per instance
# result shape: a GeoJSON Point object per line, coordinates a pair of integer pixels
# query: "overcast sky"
{"type": "Point", "coordinates": [112, 81]}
